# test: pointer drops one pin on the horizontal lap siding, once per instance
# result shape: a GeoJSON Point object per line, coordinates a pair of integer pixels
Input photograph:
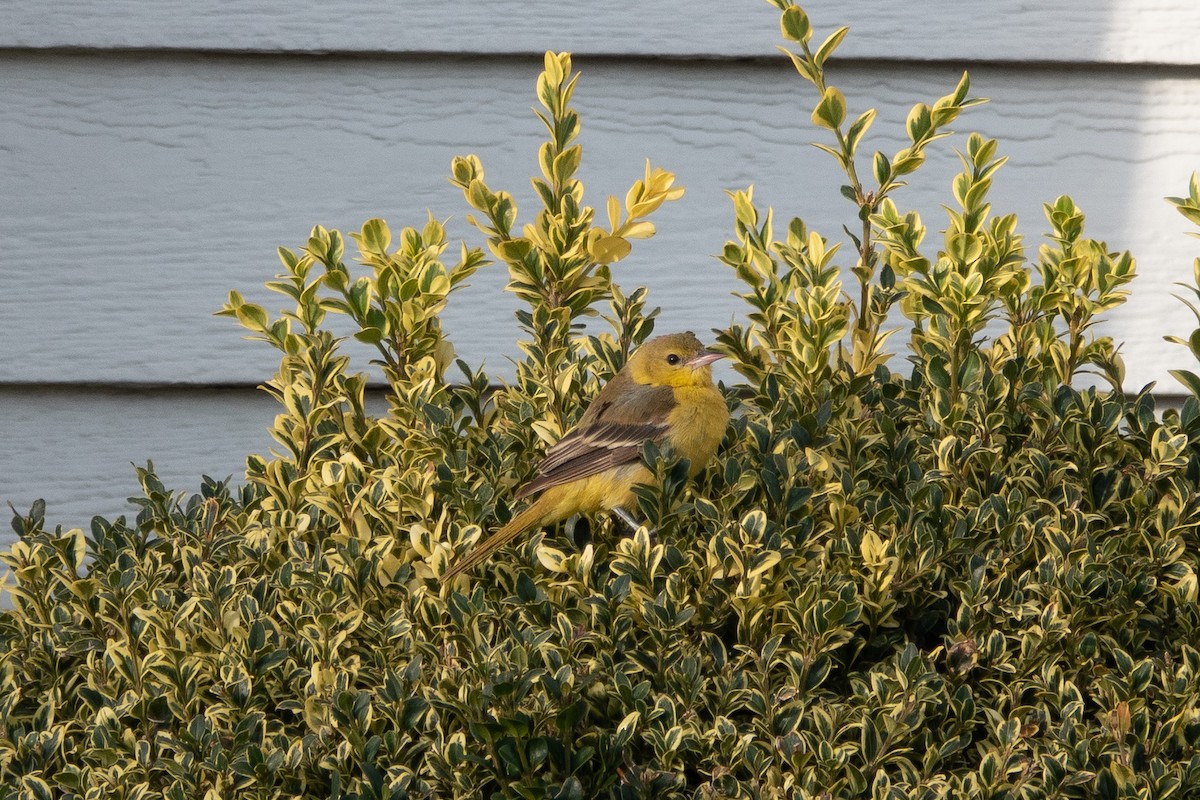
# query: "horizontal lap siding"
{"type": "Point", "coordinates": [141, 187]}
{"type": "Point", "coordinates": [1111, 31]}
{"type": "Point", "coordinates": [76, 449]}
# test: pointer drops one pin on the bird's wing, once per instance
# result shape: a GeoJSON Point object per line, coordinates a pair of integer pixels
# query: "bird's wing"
{"type": "Point", "coordinates": [612, 433]}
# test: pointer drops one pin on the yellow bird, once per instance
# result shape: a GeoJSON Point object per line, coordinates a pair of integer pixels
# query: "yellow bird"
{"type": "Point", "coordinates": [663, 394]}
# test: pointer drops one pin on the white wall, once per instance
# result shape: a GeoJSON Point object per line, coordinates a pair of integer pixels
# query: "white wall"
{"type": "Point", "coordinates": [153, 157]}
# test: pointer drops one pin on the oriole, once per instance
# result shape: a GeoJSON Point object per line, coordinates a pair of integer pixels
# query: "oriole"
{"type": "Point", "coordinates": [663, 394]}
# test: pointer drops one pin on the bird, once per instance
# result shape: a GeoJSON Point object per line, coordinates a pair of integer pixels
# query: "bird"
{"type": "Point", "coordinates": [664, 394]}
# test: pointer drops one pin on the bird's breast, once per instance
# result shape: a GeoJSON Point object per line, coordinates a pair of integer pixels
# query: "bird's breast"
{"type": "Point", "coordinates": [698, 424]}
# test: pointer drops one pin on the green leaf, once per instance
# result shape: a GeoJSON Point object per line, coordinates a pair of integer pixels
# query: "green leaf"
{"type": "Point", "coordinates": [919, 123]}
{"type": "Point", "coordinates": [883, 168]}
{"type": "Point", "coordinates": [831, 111]}
{"type": "Point", "coordinates": [794, 25]}
{"type": "Point", "coordinates": [566, 163]}
{"type": "Point", "coordinates": [858, 128]}
{"type": "Point", "coordinates": [939, 376]}
{"type": "Point", "coordinates": [804, 65]}
{"type": "Point", "coordinates": [829, 45]}
{"type": "Point", "coordinates": [375, 236]}
{"type": "Point", "coordinates": [1189, 379]}
{"type": "Point", "coordinates": [252, 316]}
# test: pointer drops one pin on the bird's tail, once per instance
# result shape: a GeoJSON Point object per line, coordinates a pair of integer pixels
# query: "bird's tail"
{"type": "Point", "coordinates": [533, 515]}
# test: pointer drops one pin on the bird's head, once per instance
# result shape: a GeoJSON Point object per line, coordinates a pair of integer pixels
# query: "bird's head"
{"type": "Point", "coordinates": [677, 359]}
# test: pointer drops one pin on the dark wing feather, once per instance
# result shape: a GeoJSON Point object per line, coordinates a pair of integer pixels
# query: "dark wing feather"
{"type": "Point", "coordinates": [610, 435]}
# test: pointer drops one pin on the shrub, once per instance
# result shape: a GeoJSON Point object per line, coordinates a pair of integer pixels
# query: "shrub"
{"type": "Point", "coordinates": [969, 574]}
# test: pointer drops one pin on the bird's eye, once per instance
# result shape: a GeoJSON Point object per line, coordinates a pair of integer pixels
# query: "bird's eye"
{"type": "Point", "coordinates": [672, 359]}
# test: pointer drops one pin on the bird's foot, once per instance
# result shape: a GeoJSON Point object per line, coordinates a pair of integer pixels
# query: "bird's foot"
{"type": "Point", "coordinates": [633, 524]}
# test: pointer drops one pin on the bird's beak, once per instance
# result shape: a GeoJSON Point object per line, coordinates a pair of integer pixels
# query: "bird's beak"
{"type": "Point", "coordinates": [704, 359]}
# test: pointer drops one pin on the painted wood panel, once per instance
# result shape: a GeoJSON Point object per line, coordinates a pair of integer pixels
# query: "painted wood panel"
{"type": "Point", "coordinates": [140, 188]}
{"type": "Point", "coordinates": [1123, 31]}
{"type": "Point", "coordinates": [75, 448]}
